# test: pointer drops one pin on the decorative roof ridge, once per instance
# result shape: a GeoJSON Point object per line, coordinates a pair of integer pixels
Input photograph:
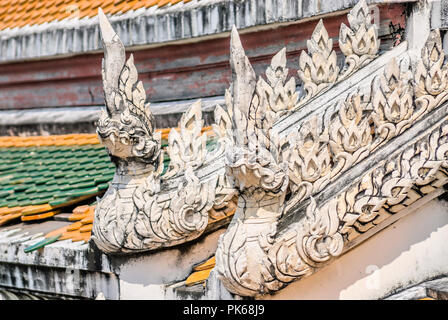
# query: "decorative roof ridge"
{"type": "Point", "coordinates": [79, 36]}
{"type": "Point", "coordinates": [344, 169]}
{"type": "Point", "coordinates": [164, 210]}
{"type": "Point", "coordinates": [92, 113]}
{"type": "Point", "coordinates": [366, 141]}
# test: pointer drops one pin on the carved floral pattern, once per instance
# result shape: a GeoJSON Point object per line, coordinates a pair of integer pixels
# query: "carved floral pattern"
{"type": "Point", "coordinates": [187, 148]}
{"type": "Point", "coordinates": [359, 43]}
{"type": "Point", "coordinates": [135, 214]}
{"type": "Point", "coordinates": [318, 67]}
{"type": "Point", "coordinates": [253, 257]}
{"type": "Point", "coordinates": [350, 132]}
{"type": "Point", "coordinates": [392, 101]}
{"type": "Point", "coordinates": [274, 176]}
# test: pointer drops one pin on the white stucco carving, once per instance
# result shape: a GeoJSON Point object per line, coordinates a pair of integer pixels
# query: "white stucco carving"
{"type": "Point", "coordinates": [137, 213]}
{"type": "Point", "coordinates": [304, 196]}
{"type": "Point", "coordinates": [305, 191]}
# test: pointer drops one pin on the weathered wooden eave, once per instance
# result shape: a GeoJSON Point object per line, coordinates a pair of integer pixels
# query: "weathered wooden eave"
{"type": "Point", "coordinates": [179, 23]}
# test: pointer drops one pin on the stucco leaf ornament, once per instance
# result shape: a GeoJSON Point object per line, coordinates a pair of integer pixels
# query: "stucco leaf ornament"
{"type": "Point", "coordinates": [359, 42]}
{"type": "Point", "coordinates": [392, 101]}
{"type": "Point", "coordinates": [281, 234]}
{"type": "Point", "coordinates": [188, 146]}
{"type": "Point", "coordinates": [350, 132]}
{"type": "Point", "coordinates": [318, 68]}
{"type": "Point", "coordinates": [431, 74]}
{"type": "Point", "coordinates": [309, 161]}
{"type": "Point", "coordinates": [280, 94]}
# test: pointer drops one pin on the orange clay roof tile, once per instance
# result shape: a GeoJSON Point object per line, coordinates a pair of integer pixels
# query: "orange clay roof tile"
{"type": "Point", "coordinates": [11, 12]}
{"type": "Point", "coordinates": [81, 236]}
{"type": "Point", "coordinates": [81, 209]}
{"type": "Point", "coordinates": [77, 216]}
{"type": "Point", "coordinates": [39, 216]}
{"type": "Point", "coordinates": [6, 210]}
{"type": "Point", "coordinates": [87, 220]}
{"type": "Point", "coordinates": [209, 264]}
{"type": "Point", "coordinates": [201, 272]}
{"type": "Point", "coordinates": [78, 231]}
{"type": "Point", "coordinates": [7, 218]}
{"type": "Point", "coordinates": [68, 235]}
{"type": "Point", "coordinates": [86, 228]}
{"type": "Point", "coordinates": [198, 277]}
{"type": "Point", "coordinates": [36, 209]}
{"type": "Point", "coordinates": [74, 226]}
{"type": "Point", "coordinates": [162, 3]}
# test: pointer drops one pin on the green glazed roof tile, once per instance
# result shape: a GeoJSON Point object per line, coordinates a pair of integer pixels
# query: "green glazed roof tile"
{"type": "Point", "coordinates": [55, 174]}
{"type": "Point", "coordinates": [40, 201]}
{"type": "Point", "coordinates": [103, 186]}
{"type": "Point", "coordinates": [52, 174]}
{"type": "Point", "coordinates": [59, 201]}
{"type": "Point", "coordinates": [103, 179]}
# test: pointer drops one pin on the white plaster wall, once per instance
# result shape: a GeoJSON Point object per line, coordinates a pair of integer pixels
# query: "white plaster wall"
{"type": "Point", "coordinates": [412, 250]}
{"type": "Point", "coordinates": [146, 276]}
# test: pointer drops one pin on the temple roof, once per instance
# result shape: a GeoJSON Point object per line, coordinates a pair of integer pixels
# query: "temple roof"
{"type": "Point", "coordinates": [361, 146]}
{"type": "Point", "coordinates": [41, 175]}
{"type": "Point", "coordinates": [17, 14]}
{"type": "Point", "coordinates": [36, 29]}
{"type": "Point", "coordinates": [48, 177]}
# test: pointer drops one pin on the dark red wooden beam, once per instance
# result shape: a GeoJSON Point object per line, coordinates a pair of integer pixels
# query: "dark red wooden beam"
{"type": "Point", "coordinates": [169, 72]}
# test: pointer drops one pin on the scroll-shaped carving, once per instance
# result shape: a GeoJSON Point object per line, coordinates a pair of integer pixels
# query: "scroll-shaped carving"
{"type": "Point", "coordinates": [318, 67]}
{"type": "Point", "coordinates": [320, 240]}
{"type": "Point", "coordinates": [255, 163]}
{"type": "Point", "coordinates": [172, 218]}
{"type": "Point", "coordinates": [359, 42]}
{"type": "Point", "coordinates": [140, 211]}
{"type": "Point", "coordinates": [278, 176]}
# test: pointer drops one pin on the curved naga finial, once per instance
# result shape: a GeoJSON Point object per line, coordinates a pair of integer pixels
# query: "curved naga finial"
{"type": "Point", "coordinates": [336, 175]}
{"type": "Point", "coordinates": [143, 210]}
{"type": "Point", "coordinates": [126, 126]}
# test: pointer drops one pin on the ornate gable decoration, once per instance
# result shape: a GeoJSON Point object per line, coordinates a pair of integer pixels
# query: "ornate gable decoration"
{"type": "Point", "coordinates": [335, 171]}
{"type": "Point", "coordinates": [143, 210]}
{"type": "Point", "coordinates": [314, 172]}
